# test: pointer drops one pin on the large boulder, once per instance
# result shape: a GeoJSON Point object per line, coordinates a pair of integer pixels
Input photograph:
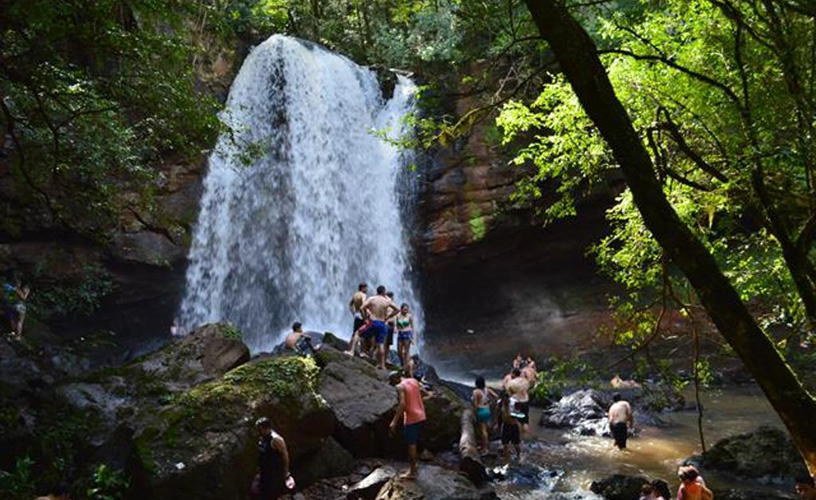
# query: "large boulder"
{"type": "Point", "coordinates": [619, 487]}
{"type": "Point", "coordinates": [361, 399]}
{"type": "Point", "coordinates": [204, 441]}
{"type": "Point", "coordinates": [370, 486]}
{"type": "Point", "coordinates": [584, 411]}
{"type": "Point", "coordinates": [767, 454]}
{"type": "Point", "coordinates": [434, 483]}
{"type": "Point", "coordinates": [363, 403]}
{"type": "Point", "coordinates": [206, 353]}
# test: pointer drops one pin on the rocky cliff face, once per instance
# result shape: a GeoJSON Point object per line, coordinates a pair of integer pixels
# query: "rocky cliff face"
{"type": "Point", "coordinates": [489, 268]}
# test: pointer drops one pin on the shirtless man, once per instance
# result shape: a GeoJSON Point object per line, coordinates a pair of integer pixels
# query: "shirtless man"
{"type": "Point", "coordinates": [297, 341]}
{"type": "Point", "coordinates": [355, 307]}
{"type": "Point", "coordinates": [518, 388]}
{"type": "Point", "coordinates": [620, 414]}
{"type": "Point", "coordinates": [379, 310]}
{"type": "Point", "coordinates": [529, 372]}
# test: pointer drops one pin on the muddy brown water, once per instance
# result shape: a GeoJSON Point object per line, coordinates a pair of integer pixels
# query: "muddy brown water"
{"type": "Point", "coordinates": [565, 464]}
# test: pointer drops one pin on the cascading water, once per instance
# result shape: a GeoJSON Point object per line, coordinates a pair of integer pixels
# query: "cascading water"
{"type": "Point", "coordinates": [302, 201]}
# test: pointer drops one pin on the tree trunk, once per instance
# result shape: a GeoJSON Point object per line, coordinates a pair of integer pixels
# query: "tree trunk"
{"type": "Point", "coordinates": [470, 462]}
{"type": "Point", "coordinates": [578, 57]}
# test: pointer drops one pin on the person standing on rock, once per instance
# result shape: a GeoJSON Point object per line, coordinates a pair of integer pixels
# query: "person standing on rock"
{"type": "Point", "coordinates": [518, 387]}
{"type": "Point", "coordinates": [378, 308]}
{"type": "Point", "coordinates": [273, 463]}
{"type": "Point", "coordinates": [481, 410]}
{"type": "Point", "coordinates": [405, 334]}
{"type": "Point", "coordinates": [620, 419]}
{"type": "Point", "coordinates": [411, 409]}
{"type": "Point", "coordinates": [356, 308]}
{"type": "Point", "coordinates": [356, 304]}
{"type": "Point", "coordinates": [15, 296]}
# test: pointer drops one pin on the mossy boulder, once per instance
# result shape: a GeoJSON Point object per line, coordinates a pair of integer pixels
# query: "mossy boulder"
{"type": "Point", "coordinates": [205, 441]}
{"type": "Point", "coordinates": [206, 353]}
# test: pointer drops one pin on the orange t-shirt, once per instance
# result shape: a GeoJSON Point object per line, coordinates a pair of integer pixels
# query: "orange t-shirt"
{"type": "Point", "coordinates": [414, 407]}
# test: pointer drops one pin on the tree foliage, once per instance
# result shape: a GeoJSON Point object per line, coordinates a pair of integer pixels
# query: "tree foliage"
{"type": "Point", "coordinates": [93, 93]}
{"type": "Point", "coordinates": [721, 92]}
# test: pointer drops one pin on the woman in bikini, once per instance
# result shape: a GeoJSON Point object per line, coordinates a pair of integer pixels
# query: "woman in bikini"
{"type": "Point", "coordinates": [405, 334]}
{"type": "Point", "coordinates": [481, 409]}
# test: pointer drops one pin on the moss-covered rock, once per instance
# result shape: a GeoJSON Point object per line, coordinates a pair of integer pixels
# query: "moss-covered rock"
{"type": "Point", "coordinates": [205, 440]}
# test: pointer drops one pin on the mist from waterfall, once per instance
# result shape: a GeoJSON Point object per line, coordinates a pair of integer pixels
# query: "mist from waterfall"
{"type": "Point", "coordinates": [302, 201]}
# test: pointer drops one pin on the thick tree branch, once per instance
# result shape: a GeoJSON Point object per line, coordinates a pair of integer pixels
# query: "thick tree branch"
{"type": "Point", "coordinates": [581, 64]}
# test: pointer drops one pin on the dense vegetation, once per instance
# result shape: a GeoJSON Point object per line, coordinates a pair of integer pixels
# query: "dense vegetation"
{"type": "Point", "coordinates": [719, 94]}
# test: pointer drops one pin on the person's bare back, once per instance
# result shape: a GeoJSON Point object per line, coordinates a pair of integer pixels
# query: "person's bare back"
{"type": "Point", "coordinates": [378, 307]}
{"type": "Point", "coordinates": [519, 387]}
{"type": "Point", "coordinates": [357, 301]}
{"type": "Point", "coordinates": [620, 411]}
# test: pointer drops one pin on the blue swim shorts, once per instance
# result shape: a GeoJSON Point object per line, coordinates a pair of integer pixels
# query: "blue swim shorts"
{"type": "Point", "coordinates": [378, 331]}
{"type": "Point", "coordinates": [411, 433]}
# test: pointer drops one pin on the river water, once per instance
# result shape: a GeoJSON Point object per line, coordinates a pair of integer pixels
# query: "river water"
{"type": "Point", "coordinates": [559, 464]}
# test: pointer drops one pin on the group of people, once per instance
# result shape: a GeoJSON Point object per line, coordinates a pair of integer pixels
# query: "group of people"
{"type": "Point", "coordinates": [512, 407]}
{"type": "Point", "coordinates": [14, 297]}
{"type": "Point", "coordinates": [376, 320]}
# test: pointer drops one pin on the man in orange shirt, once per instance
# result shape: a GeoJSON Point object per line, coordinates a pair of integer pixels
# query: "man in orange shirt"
{"type": "Point", "coordinates": [412, 411]}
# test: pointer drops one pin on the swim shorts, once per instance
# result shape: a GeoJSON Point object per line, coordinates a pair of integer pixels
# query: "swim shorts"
{"type": "Point", "coordinates": [411, 433]}
{"type": "Point", "coordinates": [378, 331]}
{"type": "Point", "coordinates": [620, 432]}
{"type": "Point", "coordinates": [366, 331]}
{"type": "Point", "coordinates": [358, 322]}
{"type": "Point", "coordinates": [510, 433]}
{"type": "Point", "coordinates": [405, 336]}
{"type": "Point", "coordinates": [483, 415]}
{"type": "Point", "coordinates": [520, 411]}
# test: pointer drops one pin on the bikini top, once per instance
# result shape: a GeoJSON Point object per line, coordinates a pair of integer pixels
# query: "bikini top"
{"type": "Point", "coordinates": [403, 323]}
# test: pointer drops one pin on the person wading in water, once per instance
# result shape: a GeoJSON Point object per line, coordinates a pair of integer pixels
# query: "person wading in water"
{"type": "Point", "coordinates": [620, 414]}
{"type": "Point", "coordinates": [378, 309]}
{"type": "Point", "coordinates": [481, 410]}
{"type": "Point", "coordinates": [518, 388]}
{"type": "Point", "coordinates": [273, 463]}
{"type": "Point", "coordinates": [411, 410]}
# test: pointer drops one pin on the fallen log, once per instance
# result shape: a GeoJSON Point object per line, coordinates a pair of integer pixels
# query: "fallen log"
{"type": "Point", "coordinates": [470, 462]}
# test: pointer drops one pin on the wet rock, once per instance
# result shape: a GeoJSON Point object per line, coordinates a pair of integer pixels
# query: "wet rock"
{"type": "Point", "coordinates": [370, 486]}
{"type": "Point", "coordinates": [619, 487]}
{"type": "Point", "coordinates": [434, 483]}
{"type": "Point", "coordinates": [361, 399]}
{"type": "Point", "coordinates": [584, 411]}
{"type": "Point", "coordinates": [767, 454]}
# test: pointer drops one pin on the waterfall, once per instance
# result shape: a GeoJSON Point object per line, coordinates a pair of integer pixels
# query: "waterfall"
{"type": "Point", "coordinates": [302, 200]}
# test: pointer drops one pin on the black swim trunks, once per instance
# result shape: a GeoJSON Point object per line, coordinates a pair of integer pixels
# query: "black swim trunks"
{"type": "Point", "coordinates": [620, 432]}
